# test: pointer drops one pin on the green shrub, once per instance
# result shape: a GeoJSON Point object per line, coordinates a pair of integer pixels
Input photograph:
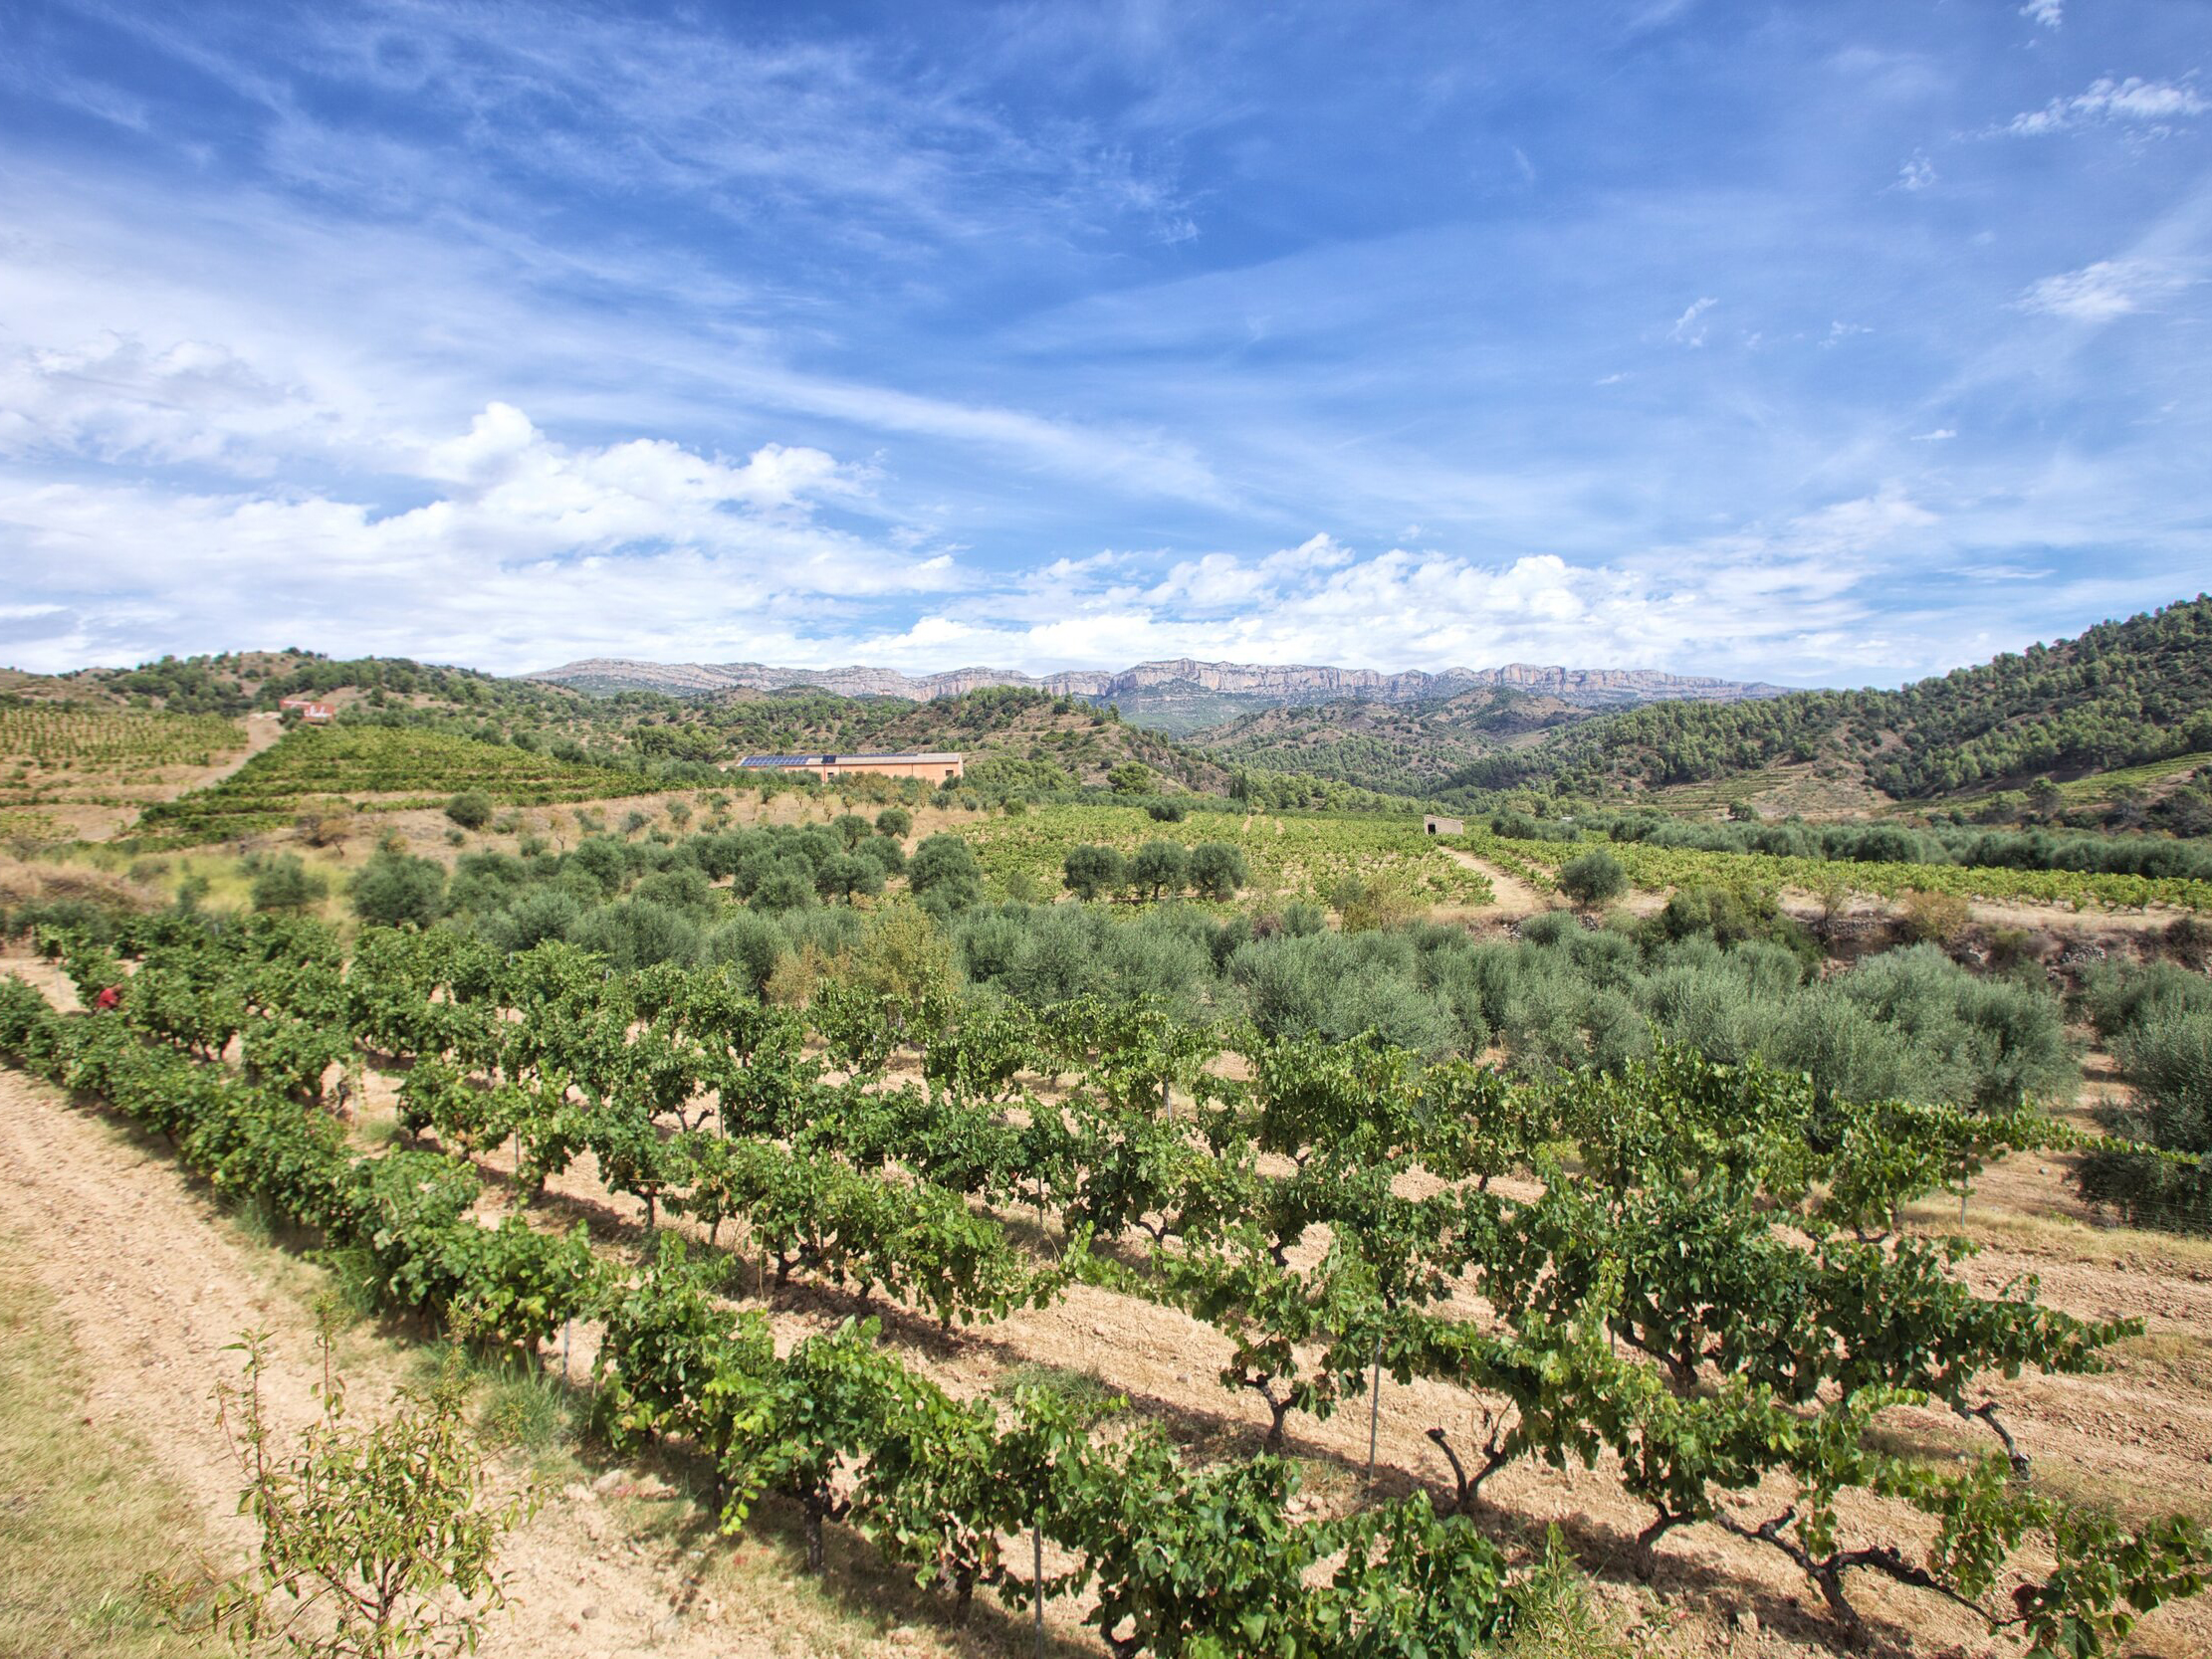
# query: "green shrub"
{"type": "Point", "coordinates": [285, 884]}
{"type": "Point", "coordinates": [470, 809]}
{"type": "Point", "coordinates": [395, 888]}
{"type": "Point", "coordinates": [2167, 1056]}
{"type": "Point", "coordinates": [1594, 878]}
{"type": "Point", "coordinates": [943, 876]}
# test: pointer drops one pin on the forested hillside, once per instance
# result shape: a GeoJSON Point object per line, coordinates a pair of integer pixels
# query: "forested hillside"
{"type": "Point", "coordinates": [238, 681]}
{"type": "Point", "coordinates": [1407, 749]}
{"type": "Point", "coordinates": [2124, 694]}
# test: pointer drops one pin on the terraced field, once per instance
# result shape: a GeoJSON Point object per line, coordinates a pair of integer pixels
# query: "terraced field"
{"type": "Point", "coordinates": [68, 771]}
{"type": "Point", "coordinates": [374, 770]}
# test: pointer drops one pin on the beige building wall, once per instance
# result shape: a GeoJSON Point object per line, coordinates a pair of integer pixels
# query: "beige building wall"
{"type": "Point", "coordinates": [930, 768]}
{"type": "Point", "coordinates": [930, 772]}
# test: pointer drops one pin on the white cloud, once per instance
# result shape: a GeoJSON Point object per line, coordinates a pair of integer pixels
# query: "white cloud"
{"type": "Point", "coordinates": [2049, 13]}
{"type": "Point", "coordinates": [2133, 102]}
{"type": "Point", "coordinates": [1918, 174]}
{"type": "Point", "coordinates": [2106, 289]}
{"type": "Point", "coordinates": [1689, 327]}
{"type": "Point", "coordinates": [1942, 434]}
{"type": "Point", "coordinates": [522, 539]}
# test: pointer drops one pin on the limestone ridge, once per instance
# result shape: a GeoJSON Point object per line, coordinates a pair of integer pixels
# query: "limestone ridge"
{"type": "Point", "coordinates": [1590, 686]}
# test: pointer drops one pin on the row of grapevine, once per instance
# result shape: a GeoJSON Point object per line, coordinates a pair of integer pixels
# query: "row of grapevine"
{"type": "Point", "coordinates": [1661, 868]}
{"type": "Point", "coordinates": [1649, 1307]}
{"type": "Point", "coordinates": [1288, 855]}
{"type": "Point", "coordinates": [112, 739]}
{"type": "Point", "coordinates": [387, 767]}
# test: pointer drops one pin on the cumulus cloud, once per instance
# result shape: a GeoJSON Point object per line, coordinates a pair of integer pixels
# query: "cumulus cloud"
{"type": "Point", "coordinates": [1918, 174]}
{"type": "Point", "coordinates": [523, 538]}
{"type": "Point", "coordinates": [2133, 102]}
{"type": "Point", "coordinates": [2102, 291]}
{"type": "Point", "coordinates": [2049, 13]}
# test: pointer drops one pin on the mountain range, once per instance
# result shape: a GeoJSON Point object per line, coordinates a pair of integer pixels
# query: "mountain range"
{"type": "Point", "coordinates": [1183, 690]}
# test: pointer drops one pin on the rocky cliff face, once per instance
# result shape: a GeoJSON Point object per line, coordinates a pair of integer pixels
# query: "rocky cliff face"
{"type": "Point", "coordinates": [1261, 682]}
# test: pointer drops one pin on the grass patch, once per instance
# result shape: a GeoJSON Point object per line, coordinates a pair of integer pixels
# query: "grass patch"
{"type": "Point", "coordinates": [1557, 1616]}
{"type": "Point", "coordinates": [528, 1410]}
{"type": "Point", "coordinates": [1077, 1388]}
{"type": "Point", "coordinates": [2176, 1255]}
{"type": "Point", "coordinates": [82, 1514]}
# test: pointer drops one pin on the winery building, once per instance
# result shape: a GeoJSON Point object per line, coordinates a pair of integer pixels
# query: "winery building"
{"type": "Point", "coordinates": [930, 768]}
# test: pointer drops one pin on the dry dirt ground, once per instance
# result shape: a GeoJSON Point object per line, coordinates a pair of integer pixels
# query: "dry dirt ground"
{"type": "Point", "coordinates": [154, 1282]}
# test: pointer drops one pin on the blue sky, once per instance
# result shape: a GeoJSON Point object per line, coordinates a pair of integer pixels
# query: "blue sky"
{"type": "Point", "coordinates": [1824, 345]}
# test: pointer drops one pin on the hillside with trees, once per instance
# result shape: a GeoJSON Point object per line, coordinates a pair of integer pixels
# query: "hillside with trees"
{"type": "Point", "coordinates": [1407, 748]}
{"type": "Point", "coordinates": [2125, 694]}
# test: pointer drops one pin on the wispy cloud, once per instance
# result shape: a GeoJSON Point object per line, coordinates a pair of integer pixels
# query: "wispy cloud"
{"type": "Point", "coordinates": [2133, 102]}
{"type": "Point", "coordinates": [437, 327]}
{"type": "Point", "coordinates": [2049, 13]}
{"type": "Point", "coordinates": [2106, 289]}
{"type": "Point", "coordinates": [1689, 327]}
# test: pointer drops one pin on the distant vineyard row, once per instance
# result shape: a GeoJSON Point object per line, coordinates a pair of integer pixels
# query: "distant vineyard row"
{"type": "Point", "coordinates": [114, 739]}
{"type": "Point", "coordinates": [1287, 856]}
{"type": "Point", "coordinates": [375, 769]}
{"type": "Point", "coordinates": [1660, 868]}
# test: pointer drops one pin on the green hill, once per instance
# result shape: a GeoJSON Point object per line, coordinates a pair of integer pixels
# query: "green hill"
{"type": "Point", "coordinates": [2124, 694]}
{"type": "Point", "coordinates": [1407, 748]}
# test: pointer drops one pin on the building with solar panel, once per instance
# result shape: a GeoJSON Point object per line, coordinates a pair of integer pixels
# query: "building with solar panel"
{"type": "Point", "coordinates": [930, 768]}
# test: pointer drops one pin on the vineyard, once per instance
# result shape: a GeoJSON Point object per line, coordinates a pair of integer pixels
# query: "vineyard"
{"type": "Point", "coordinates": [373, 768]}
{"type": "Point", "coordinates": [1659, 869]}
{"type": "Point", "coordinates": [2099, 786]}
{"type": "Point", "coordinates": [54, 756]}
{"type": "Point", "coordinates": [60, 738]}
{"type": "Point", "coordinates": [1688, 1275]}
{"type": "Point", "coordinates": [1288, 856]}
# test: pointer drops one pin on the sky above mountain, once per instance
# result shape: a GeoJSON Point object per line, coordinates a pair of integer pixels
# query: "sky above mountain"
{"type": "Point", "coordinates": [1821, 344]}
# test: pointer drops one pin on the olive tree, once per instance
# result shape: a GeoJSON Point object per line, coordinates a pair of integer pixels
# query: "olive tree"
{"type": "Point", "coordinates": [1093, 871]}
{"type": "Point", "coordinates": [944, 874]}
{"type": "Point", "coordinates": [1216, 870]}
{"type": "Point", "coordinates": [1159, 867]}
{"type": "Point", "coordinates": [1593, 878]}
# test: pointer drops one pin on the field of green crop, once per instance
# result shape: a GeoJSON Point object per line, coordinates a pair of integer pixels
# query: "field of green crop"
{"type": "Point", "coordinates": [52, 739]}
{"type": "Point", "coordinates": [379, 770]}
{"type": "Point", "coordinates": [1289, 857]}
{"type": "Point", "coordinates": [2099, 786]}
{"type": "Point", "coordinates": [1659, 869]}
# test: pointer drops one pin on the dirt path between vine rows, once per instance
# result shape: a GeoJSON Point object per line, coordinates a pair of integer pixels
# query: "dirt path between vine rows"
{"type": "Point", "coordinates": [154, 1285]}
{"type": "Point", "coordinates": [1512, 897]}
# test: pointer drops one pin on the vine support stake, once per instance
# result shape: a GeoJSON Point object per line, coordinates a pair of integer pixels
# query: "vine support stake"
{"type": "Point", "coordinates": [1037, 1573]}
{"type": "Point", "coordinates": [1374, 1412]}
